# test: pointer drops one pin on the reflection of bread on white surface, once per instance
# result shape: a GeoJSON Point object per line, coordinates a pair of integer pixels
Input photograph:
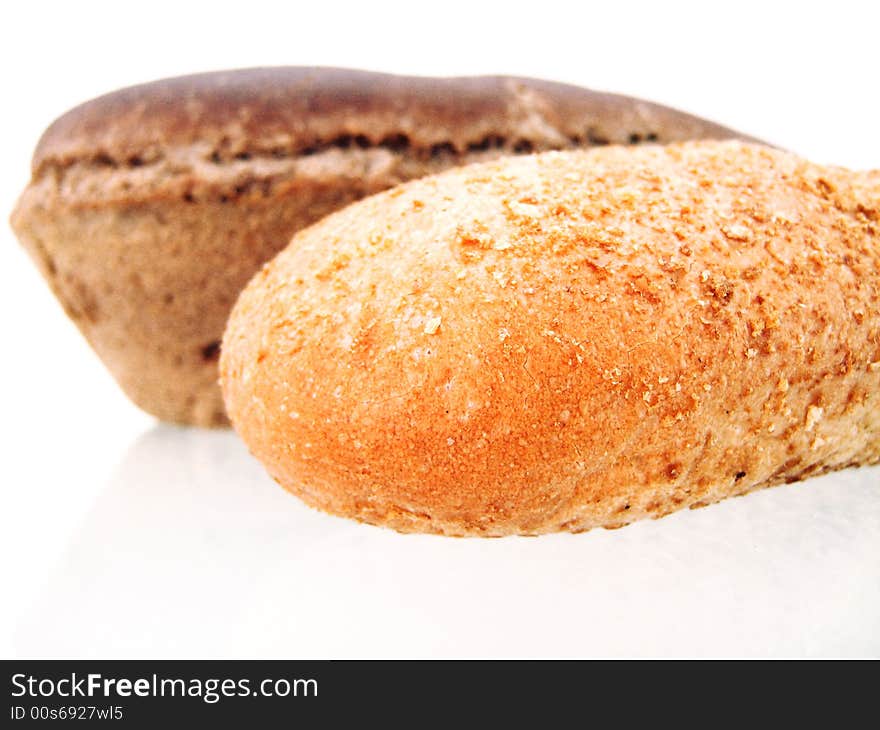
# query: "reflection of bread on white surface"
{"type": "Point", "coordinates": [209, 560]}
{"type": "Point", "coordinates": [567, 340]}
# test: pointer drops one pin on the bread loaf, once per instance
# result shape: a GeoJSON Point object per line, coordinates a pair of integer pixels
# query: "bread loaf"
{"type": "Point", "coordinates": [567, 340]}
{"type": "Point", "coordinates": [150, 208]}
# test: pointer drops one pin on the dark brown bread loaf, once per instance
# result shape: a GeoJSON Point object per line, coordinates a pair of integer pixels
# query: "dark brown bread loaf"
{"type": "Point", "coordinates": [150, 208]}
{"type": "Point", "coordinates": [567, 340]}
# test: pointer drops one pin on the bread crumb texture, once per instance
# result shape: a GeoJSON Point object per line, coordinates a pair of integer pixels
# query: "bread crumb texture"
{"type": "Point", "coordinates": [567, 340]}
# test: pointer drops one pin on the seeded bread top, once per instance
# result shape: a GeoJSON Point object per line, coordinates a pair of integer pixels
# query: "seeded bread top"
{"type": "Point", "coordinates": [567, 340]}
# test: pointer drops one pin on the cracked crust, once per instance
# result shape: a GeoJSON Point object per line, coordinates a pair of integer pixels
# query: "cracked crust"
{"type": "Point", "coordinates": [299, 110]}
{"type": "Point", "coordinates": [150, 208]}
{"type": "Point", "coordinates": [568, 340]}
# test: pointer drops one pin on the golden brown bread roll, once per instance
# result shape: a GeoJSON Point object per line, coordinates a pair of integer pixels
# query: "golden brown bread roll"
{"type": "Point", "coordinates": [567, 340]}
{"type": "Point", "coordinates": [150, 208]}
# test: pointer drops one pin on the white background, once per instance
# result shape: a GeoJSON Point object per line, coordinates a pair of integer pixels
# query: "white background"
{"type": "Point", "coordinates": [124, 538]}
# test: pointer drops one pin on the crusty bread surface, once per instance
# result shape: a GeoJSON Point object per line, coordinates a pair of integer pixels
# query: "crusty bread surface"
{"type": "Point", "coordinates": [150, 208]}
{"type": "Point", "coordinates": [567, 340]}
